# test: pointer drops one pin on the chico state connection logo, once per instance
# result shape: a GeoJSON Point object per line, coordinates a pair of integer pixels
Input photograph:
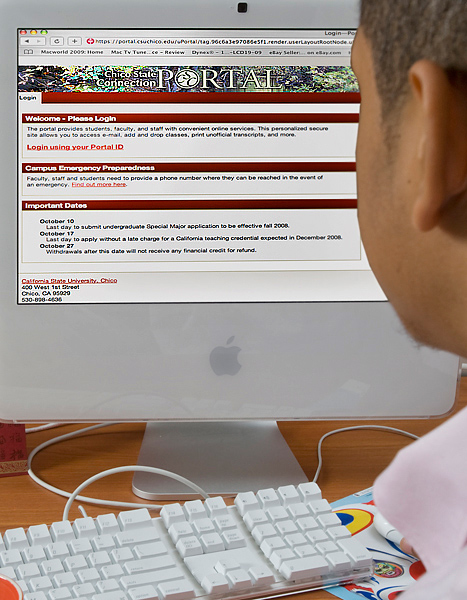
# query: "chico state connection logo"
{"type": "Point", "coordinates": [187, 78]}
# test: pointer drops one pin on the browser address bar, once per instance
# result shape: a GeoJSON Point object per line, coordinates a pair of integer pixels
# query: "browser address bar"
{"type": "Point", "coordinates": [148, 41]}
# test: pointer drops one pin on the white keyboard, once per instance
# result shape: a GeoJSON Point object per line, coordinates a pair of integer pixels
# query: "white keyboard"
{"type": "Point", "coordinates": [269, 543]}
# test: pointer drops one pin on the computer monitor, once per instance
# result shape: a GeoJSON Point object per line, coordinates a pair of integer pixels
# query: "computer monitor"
{"type": "Point", "coordinates": [179, 233]}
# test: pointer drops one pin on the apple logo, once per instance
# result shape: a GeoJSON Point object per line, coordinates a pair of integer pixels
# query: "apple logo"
{"type": "Point", "coordinates": [224, 359]}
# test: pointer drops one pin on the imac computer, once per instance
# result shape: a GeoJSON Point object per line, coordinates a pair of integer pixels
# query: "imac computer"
{"type": "Point", "coordinates": [179, 235]}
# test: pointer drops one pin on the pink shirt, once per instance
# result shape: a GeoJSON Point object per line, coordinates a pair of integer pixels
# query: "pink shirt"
{"type": "Point", "coordinates": [423, 493]}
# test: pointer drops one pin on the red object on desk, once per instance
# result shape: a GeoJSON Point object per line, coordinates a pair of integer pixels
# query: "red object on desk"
{"type": "Point", "coordinates": [9, 590]}
{"type": "Point", "coordinates": [13, 453]}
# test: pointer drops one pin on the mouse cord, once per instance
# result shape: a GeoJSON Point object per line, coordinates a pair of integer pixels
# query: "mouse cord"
{"type": "Point", "coordinates": [63, 493]}
{"type": "Point", "coordinates": [356, 428]}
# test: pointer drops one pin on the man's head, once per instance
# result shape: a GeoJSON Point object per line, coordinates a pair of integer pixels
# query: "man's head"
{"type": "Point", "coordinates": [411, 61]}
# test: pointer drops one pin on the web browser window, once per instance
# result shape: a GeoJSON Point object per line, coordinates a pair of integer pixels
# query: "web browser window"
{"type": "Point", "coordinates": [188, 166]}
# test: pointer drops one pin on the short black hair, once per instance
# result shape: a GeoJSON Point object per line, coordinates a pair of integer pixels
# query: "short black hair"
{"type": "Point", "coordinates": [400, 32]}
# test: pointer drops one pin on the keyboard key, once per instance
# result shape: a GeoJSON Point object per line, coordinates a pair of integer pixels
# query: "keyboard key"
{"type": "Point", "coordinates": [35, 596]}
{"type": "Point", "coordinates": [212, 542]}
{"type": "Point", "coordinates": [338, 533]}
{"type": "Point", "coordinates": [103, 542]}
{"type": "Point", "coordinates": [255, 517]}
{"type": "Point", "coordinates": [329, 520]}
{"type": "Point", "coordinates": [268, 498]}
{"type": "Point", "coordinates": [233, 538]}
{"type": "Point", "coordinates": [75, 563]}
{"type": "Point", "coordinates": [11, 558]}
{"type": "Point", "coordinates": [40, 584]}
{"type": "Point", "coordinates": [131, 538]}
{"type": "Point", "coordinates": [85, 528]}
{"type": "Point", "coordinates": [151, 578]}
{"type": "Point", "coordinates": [261, 575]}
{"type": "Point", "coordinates": [298, 510]}
{"type": "Point", "coordinates": [326, 547]}
{"type": "Point", "coordinates": [359, 555]}
{"type": "Point", "coordinates": [215, 583]}
{"type": "Point", "coordinates": [57, 550]}
{"type": "Point", "coordinates": [224, 522]}
{"type": "Point", "coordinates": [277, 513]}
{"type": "Point", "coordinates": [148, 564]}
{"type": "Point", "coordinates": [34, 554]}
{"type": "Point", "coordinates": [38, 535]}
{"type": "Point", "coordinates": [88, 576]}
{"type": "Point", "coordinates": [261, 532]}
{"type": "Point", "coordinates": [134, 519]}
{"type": "Point", "coordinates": [225, 565]}
{"type": "Point", "coordinates": [309, 491]}
{"type": "Point", "coordinates": [294, 540]}
{"type": "Point", "coordinates": [152, 549]}
{"type": "Point", "coordinates": [83, 589]}
{"type": "Point", "coordinates": [319, 507]}
{"type": "Point", "coordinates": [306, 550]}
{"type": "Point", "coordinates": [172, 513]}
{"type": "Point", "coordinates": [51, 567]}
{"type": "Point", "coordinates": [180, 530]}
{"type": "Point", "coordinates": [60, 594]}
{"type": "Point", "coordinates": [145, 592]}
{"type": "Point", "coordinates": [81, 546]}
{"type": "Point", "coordinates": [98, 559]}
{"type": "Point", "coordinates": [112, 571]}
{"type": "Point", "coordinates": [339, 561]}
{"type": "Point", "coordinates": [269, 545]}
{"type": "Point", "coordinates": [317, 535]}
{"type": "Point", "coordinates": [278, 556]}
{"type": "Point", "coordinates": [64, 580]}
{"type": "Point", "coordinates": [307, 524]}
{"type": "Point", "coordinates": [302, 568]}
{"type": "Point", "coordinates": [203, 526]}
{"type": "Point", "coordinates": [215, 507]}
{"type": "Point", "coordinates": [28, 571]}
{"type": "Point", "coordinates": [238, 579]}
{"type": "Point", "coordinates": [288, 494]}
{"type": "Point", "coordinates": [189, 546]}
{"type": "Point", "coordinates": [110, 596]}
{"type": "Point", "coordinates": [62, 531]}
{"type": "Point", "coordinates": [176, 590]}
{"type": "Point", "coordinates": [107, 524]}
{"type": "Point", "coordinates": [245, 502]}
{"type": "Point", "coordinates": [121, 555]}
{"type": "Point", "coordinates": [15, 539]}
{"type": "Point", "coordinates": [194, 509]}
{"type": "Point", "coordinates": [286, 527]}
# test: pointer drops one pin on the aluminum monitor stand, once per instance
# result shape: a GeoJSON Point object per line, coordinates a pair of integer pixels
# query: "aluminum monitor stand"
{"type": "Point", "coordinates": [224, 458]}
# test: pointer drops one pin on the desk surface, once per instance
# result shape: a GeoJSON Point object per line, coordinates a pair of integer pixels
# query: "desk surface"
{"type": "Point", "coordinates": [352, 460]}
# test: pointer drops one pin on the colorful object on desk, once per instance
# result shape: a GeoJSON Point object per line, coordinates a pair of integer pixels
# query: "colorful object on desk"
{"type": "Point", "coordinates": [356, 520]}
{"type": "Point", "coordinates": [9, 590]}
{"type": "Point", "coordinates": [394, 569]}
{"type": "Point", "coordinates": [13, 453]}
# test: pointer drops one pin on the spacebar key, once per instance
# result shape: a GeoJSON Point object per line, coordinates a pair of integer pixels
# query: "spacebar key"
{"type": "Point", "coordinates": [152, 577]}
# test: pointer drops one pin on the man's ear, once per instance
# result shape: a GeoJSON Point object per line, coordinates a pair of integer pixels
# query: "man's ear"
{"type": "Point", "coordinates": [443, 142]}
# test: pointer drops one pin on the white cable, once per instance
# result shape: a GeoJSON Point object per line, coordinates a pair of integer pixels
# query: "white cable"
{"type": "Point", "coordinates": [43, 427]}
{"type": "Point", "coordinates": [138, 468]}
{"type": "Point", "coordinates": [65, 494]}
{"type": "Point", "coordinates": [356, 427]}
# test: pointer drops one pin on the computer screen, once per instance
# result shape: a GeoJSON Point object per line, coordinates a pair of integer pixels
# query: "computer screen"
{"type": "Point", "coordinates": [179, 220]}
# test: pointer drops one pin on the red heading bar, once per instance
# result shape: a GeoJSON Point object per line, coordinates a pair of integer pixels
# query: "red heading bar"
{"type": "Point", "coordinates": [200, 97]}
{"type": "Point", "coordinates": [34, 119]}
{"type": "Point", "coordinates": [184, 167]}
{"type": "Point", "coordinates": [189, 204]}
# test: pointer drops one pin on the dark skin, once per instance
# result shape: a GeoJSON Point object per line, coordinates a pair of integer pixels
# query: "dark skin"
{"type": "Point", "coordinates": [412, 200]}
